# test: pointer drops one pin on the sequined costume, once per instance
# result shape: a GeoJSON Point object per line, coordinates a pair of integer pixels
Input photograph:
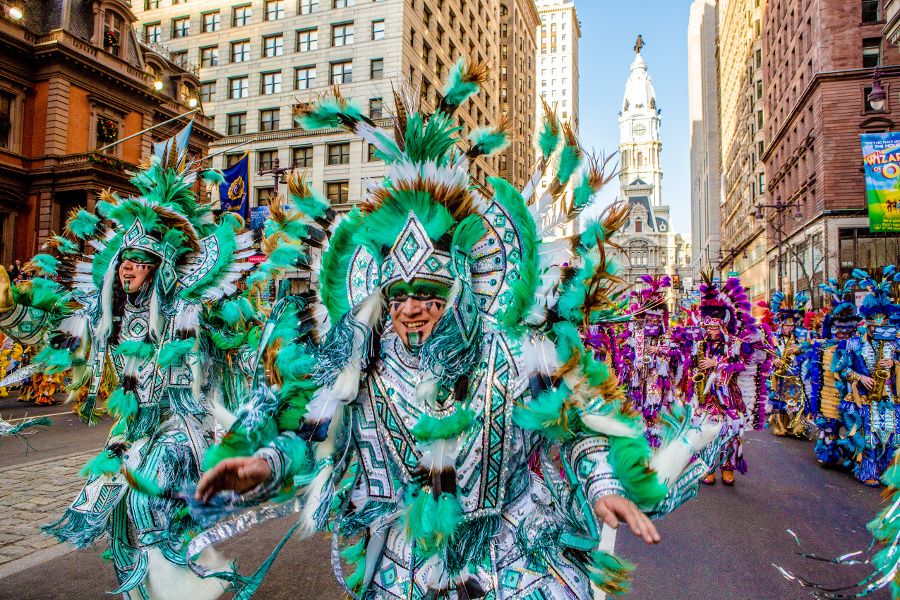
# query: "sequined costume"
{"type": "Point", "coordinates": [652, 366]}
{"type": "Point", "coordinates": [151, 350]}
{"type": "Point", "coordinates": [824, 360]}
{"type": "Point", "coordinates": [871, 414]}
{"type": "Point", "coordinates": [416, 459]}
{"type": "Point", "coordinates": [787, 396]}
{"type": "Point", "coordinates": [713, 389]}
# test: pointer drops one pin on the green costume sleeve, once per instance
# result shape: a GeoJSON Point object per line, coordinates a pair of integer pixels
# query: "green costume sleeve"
{"type": "Point", "coordinates": [25, 324]}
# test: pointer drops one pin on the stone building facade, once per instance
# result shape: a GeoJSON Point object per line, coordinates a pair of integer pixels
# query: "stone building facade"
{"type": "Point", "coordinates": [258, 59]}
{"type": "Point", "coordinates": [703, 107]}
{"type": "Point", "coordinates": [819, 60]}
{"type": "Point", "coordinates": [741, 122]}
{"type": "Point", "coordinates": [647, 240]}
{"type": "Point", "coordinates": [75, 78]}
{"type": "Point", "coordinates": [518, 27]}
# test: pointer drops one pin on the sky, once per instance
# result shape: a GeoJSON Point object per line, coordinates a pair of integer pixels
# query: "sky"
{"type": "Point", "coordinates": [608, 32]}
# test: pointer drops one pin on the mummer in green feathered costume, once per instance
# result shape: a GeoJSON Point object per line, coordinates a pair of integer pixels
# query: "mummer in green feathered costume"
{"type": "Point", "coordinates": [437, 358]}
{"type": "Point", "coordinates": [128, 319]}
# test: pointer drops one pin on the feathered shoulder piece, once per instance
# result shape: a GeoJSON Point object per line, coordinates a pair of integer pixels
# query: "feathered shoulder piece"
{"type": "Point", "coordinates": [878, 301]}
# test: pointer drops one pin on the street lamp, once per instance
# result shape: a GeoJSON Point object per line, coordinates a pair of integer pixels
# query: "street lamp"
{"type": "Point", "coordinates": [157, 85]}
{"type": "Point", "coordinates": [780, 207]}
{"type": "Point", "coordinates": [15, 13]}
{"type": "Point", "coordinates": [877, 96]}
{"type": "Point", "coordinates": [192, 103]}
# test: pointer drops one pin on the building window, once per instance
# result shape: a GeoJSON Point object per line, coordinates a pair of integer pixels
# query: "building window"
{"type": "Point", "coordinates": [242, 15]}
{"type": "Point", "coordinates": [274, 10]}
{"type": "Point", "coordinates": [179, 58]}
{"type": "Point", "coordinates": [240, 51]}
{"type": "Point", "coordinates": [6, 102]}
{"type": "Point", "coordinates": [152, 33]}
{"type": "Point", "coordinates": [151, 4]}
{"type": "Point", "coordinates": [378, 29]}
{"type": "Point", "coordinates": [212, 21]}
{"type": "Point", "coordinates": [759, 120]}
{"type": "Point", "coordinates": [302, 157]}
{"type": "Point", "coordinates": [238, 87]}
{"type": "Point", "coordinates": [376, 68]}
{"type": "Point", "coordinates": [370, 153]}
{"type": "Point", "coordinates": [232, 159]}
{"type": "Point", "coordinates": [237, 123]}
{"type": "Point", "coordinates": [271, 83]}
{"type": "Point", "coordinates": [269, 119]}
{"type": "Point", "coordinates": [870, 11]}
{"type": "Point", "coordinates": [341, 72]}
{"type": "Point", "coordinates": [339, 154]}
{"type": "Point", "coordinates": [266, 159]}
{"type": "Point", "coordinates": [308, 6]}
{"type": "Point", "coordinates": [762, 183]}
{"type": "Point", "coordinates": [307, 40]}
{"type": "Point", "coordinates": [871, 53]}
{"type": "Point", "coordinates": [342, 3]}
{"type": "Point", "coordinates": [181, 27]}
{"type": "Point", "coordinates": [305, 78]}
{"type": "Point", "coordinates": [342, 35]}
{"type": "Point", "coordinates": [264, 195]}
{"type": "Point", "coordinates": [207, 91]}
{"type": "Point", "coordinates": [337, 192]}
{"type": "Point", "coordinates": [209, 57]}
{"type": "Point", "coordinates": [274, 45]}
{"type": "Point", "coordinates": [376, 108]}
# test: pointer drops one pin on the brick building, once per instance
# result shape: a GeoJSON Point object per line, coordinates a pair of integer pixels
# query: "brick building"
{"type": "Point", "coordinates": [73, 79]}
{"type": "Point", "coordinates": [819, 59]}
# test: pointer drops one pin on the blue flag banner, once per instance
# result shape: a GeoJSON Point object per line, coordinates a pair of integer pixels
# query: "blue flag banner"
{"type": "Point", "coordinates": [179, 141]}
{"type": "Point", "coordinates": [234, 192]}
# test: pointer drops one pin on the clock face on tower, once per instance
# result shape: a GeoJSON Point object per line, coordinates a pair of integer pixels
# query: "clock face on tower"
{"type": "Point", "coordinates": [639, 129]}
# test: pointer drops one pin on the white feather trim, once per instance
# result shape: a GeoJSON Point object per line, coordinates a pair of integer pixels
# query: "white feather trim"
{"type": "Point", "coordinates": [316, 490]}
{"type": "Point", "coordinates": [609, 426]}
{"type": "Point", "coordinates": [670, 461]}
{"type": "Point", "coordinates": [439, 454]}
{"type": "Point", "coordinates": [167, 581]}
{"type": "Point", "coordinates": [106, 300]}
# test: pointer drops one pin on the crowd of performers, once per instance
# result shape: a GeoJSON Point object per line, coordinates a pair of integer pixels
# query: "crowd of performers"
{"type": "Point", "coordinates": [460, 399]}
{"type": "Point", "coordinates": [715, 358]}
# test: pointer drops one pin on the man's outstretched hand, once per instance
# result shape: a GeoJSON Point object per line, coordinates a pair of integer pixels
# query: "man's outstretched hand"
{"type": "Point", "coordinates": [237, 474]}
{"type": "Point", "coordinates": [6, 297]}
{"type": "Point", "coordinates": [613, 509]}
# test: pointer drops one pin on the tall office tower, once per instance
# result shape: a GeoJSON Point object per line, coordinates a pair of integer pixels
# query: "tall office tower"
{"type": "Point", "coordinates": [518, 104]}
{"type": "Point", "coordinates": [259, 59]}
{"type": "Point", "coordinates": [703, 101]}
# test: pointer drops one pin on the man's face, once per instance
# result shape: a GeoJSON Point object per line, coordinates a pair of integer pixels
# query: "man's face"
{"type": "Point", "coordinates": [787, 328]}
{"type": "Point", "coordinates": [713, 328]}
{"type": "Point", "coordinates": [415, 309]}
{"type": "Point", "coordinates": [133, 274]}
{"type": "Point", "coordinates": [843, 333]}
{"type": "Point", "coordinates": [653, 324]}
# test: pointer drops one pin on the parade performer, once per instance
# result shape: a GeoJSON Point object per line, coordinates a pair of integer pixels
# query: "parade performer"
{"type": "Point", "coordinates": [755, 340]}
{"type": "Point", "coordinates": [871, 377]}
{"type": "Point", "coordinates": [130, 319]}
{"type": "Point", "coordinates": [652, 366]}
{"type": "Point", "coordinates": [713, 388]}
{"type": "Point", "coordinates": [824, 360]}
{"type": "Point", "coordinates": [411, 436]}
{"type": "Point", "coordinates": [787, 396]}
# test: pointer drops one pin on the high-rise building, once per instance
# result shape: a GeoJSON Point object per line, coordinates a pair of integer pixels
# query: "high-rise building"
{"type": "Point", "coordinates": [819, 64]}
{"type": "Point", "coordinates": [259, 59]}
{"type": "Point", "coordinates": [703, 100]}
{"type": "Point", "coordinates": [741, 122]}
{"type": "Point", "coordinates": [647, 240]}
{"type": "Point", "coordinates": [77, 93]}
{"type": "Point", "coordinates": [556, 76]}
{"type": "Point", "coordinates": [518, 27]}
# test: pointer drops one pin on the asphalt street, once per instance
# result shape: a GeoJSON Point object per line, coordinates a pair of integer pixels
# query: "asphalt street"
{"type": "Point", "coordinates": [722, 545]}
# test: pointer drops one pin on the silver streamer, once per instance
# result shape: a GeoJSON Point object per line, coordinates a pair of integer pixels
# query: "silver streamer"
{"type": "Point", "coordinates": [20, 375]}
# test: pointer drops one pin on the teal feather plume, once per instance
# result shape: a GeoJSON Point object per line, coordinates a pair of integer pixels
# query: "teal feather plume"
{"type": "Point", "coordinates": [82, 224]}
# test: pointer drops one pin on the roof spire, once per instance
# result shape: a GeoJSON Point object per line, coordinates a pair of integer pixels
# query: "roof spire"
{"type": "Point", "coordinates": [639, 44]}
